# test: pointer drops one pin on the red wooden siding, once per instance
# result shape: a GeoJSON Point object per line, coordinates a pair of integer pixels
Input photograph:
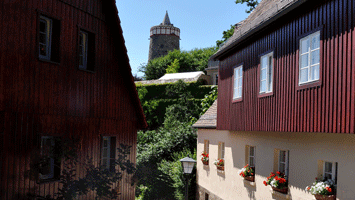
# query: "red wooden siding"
{"type": "Point", "coordinates": [56, 99]}
{"type": "Point", "coordinates": [326, 108]}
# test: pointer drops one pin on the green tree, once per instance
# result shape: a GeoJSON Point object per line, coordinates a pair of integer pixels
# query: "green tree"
{"type": "Point", "coordinates": [250, 3]}
{"type": "Point", "coordinates": [226, 34]}
{"type": "Point", "coordinates": [173, 68]}
{"type": "Point", "coordinates": [188, 61]}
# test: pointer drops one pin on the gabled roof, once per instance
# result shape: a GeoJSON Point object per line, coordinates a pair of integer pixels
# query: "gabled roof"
{"type": "Point", "coordinates": [111, 12]}
{"type": "Point", "coordinates": [209, 119]}
{"type": "Point", "coordinates": [267, 12]}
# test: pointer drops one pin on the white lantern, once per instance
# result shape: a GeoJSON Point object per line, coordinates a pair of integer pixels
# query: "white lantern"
{"type": "Point", "coordinates": [187, 164]}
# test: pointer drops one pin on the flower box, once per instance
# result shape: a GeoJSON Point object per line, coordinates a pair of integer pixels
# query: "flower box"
{"type": "Point", "coordinates": [325, 197]}
{"type": "Point", "coordinates": [283, 190]}
{"type": "Point", "coordinates": [250, 178]}
{"type": "Point", "coordinates": [220, 168]}
{"type": "Point", "coordinates": [205, 162]}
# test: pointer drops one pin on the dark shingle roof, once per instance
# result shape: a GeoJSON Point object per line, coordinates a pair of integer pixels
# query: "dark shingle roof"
{"type": "Point", "coordinates": [265, 13]}
{"type": "Point", "coordinates": [209, 119]}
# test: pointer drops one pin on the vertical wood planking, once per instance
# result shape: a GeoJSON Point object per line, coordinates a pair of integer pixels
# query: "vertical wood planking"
{"type": "Point", "coordinates": [326, 108]}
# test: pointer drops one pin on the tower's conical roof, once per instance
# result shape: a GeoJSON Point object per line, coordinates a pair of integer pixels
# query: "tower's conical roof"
{"type": "Point", "coordinates": [166, 20]}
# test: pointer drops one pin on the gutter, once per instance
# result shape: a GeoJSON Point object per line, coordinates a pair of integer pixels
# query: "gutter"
{"type": "Point", "coordinates": [248, 35]}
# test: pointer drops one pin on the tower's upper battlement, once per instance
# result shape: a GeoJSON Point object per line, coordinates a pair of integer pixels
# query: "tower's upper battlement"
{"type": "Point", "coordinates": [165, 28]}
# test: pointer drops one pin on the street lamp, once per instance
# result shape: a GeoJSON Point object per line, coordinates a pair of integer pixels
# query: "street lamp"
{"type": "Point", "coordinates": [187, 164]}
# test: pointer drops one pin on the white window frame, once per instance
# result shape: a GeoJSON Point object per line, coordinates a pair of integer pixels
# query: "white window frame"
{"type": "Point", "coordinates": [251, 156]}
{"type": "Point", "coordinates": [333, 173]}
{"type": "Point", "coordinates": [83, 54]}
{"type": "Point", "coordinates": [48, 38]}
{"type": "Point", "coordinates": [238, 82]}
{"type": "Point", "coordinates": [221, 150]}
{"type": "Point", "coordinates": [269, 68]}
{"type": "Point", "coordinates": [51, 174]}
{"type": "Point", "coordinates": [283, 162]}
{"type": "Point", "coordinates": [108, 148]}
{"type": "Point", "coordinates": [309, 65]}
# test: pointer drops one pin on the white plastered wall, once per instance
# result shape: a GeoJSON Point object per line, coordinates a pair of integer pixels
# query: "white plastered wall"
{"type": "Point", "coordinates": [305, 149]}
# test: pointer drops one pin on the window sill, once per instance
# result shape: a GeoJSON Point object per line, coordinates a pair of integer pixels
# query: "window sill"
{"type": "Point", "coordinates": [268, 94]}
{"type": "Point", "coordinates": [279, 194]}
{"type": "Point", "coordinates": [85, 70]}
{"type": "Point", "coordinates": [313, 84]}
{"type": "Point", "coordinates": [237, 100]}
{"type": "Point", "coordinates": [48, 61]}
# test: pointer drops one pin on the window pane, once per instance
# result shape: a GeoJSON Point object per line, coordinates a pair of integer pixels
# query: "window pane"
{"type": "Point", "coordinates": [283, 156]}
{"type": "Point", "coordinates": [304, 61]}
{"type": "Point", "coordinates": [42, 26]}
{"type": "Point", "coordinates": [42, 38]}
{"type": "Point", "coordinates": [154, 31]}
{"type": "Point", "coordinates": [163, 31]}
{"type": "Point", "coordinates": [315, 72]}
{"type": "Point", "coordinates": [105, 152]}
{"type": "Point", "coordinates": [315, 41]}
{"type": "Point", "coordinates": [328, 167]}
{"type": "Point", "coordinates": [264, 62]}
{"type": "Point", "coordinates": [282, 167]}
{"type": "Point", "coordinates": [42, 50]}
{"type": "Point", "coordinates": [104, 161]}
{"type": "Point", "coordinates": [262, 86]}
{"type": "Point", "coordinates": [314, 57]}
{"type": "Point", "coordinates": [240, 82]}
{"type": "Point", "coordinates": [158, 31]}
{"type": "Point", "coordinates": [251, 151]}
{"type": "Point", "coordinates": [105, 142]}
{"type": "Point", "coordinates": [305, 46]}
{"type": "Point", "coordinates": [81, 60]}
{"type": "Point", "coordinates": [263, 74]}
{"type": "Point", "coordinates": [304, 75]}
{"type": "Point", "coordinates": [167, 31]}
{"type": "Point", "coordinates": [251, 161]}
{"type": "Point", "coordinates": [328, 176]}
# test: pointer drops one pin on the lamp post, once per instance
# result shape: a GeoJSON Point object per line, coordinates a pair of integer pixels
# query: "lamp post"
{"type": "Point", "coordinates": [187, 165]}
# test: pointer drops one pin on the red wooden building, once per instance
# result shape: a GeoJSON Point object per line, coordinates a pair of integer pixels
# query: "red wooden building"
{"type": "Point", "coordinates": [64, 71]}
{"type": "Point", "coordinates": [286, 102]}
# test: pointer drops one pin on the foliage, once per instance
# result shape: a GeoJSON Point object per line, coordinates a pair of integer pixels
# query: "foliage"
{"type": "Point", "coordinates": [96, 178]}
{"type": "Point", "coordinates": [157, 98]}
{"type": "Point", "coordinates": [188, 61]}
{"type": "Point", "coordinates": [226, 34]}
{"type": "Point", "coordinates": [246, 171]}
{"type": "Point", "coordinates": [277, 180]}
{"type": "Point", "coordinates": [173, 68]}
{"type": "Point", "coordinates": [324, 187]}
{"type": "Point", "coordinates": [209, 99]}
{"type": "Point", "coordinates": [250, 3]}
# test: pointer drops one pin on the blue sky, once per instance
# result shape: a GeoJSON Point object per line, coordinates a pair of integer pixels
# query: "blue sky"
{"type": "Point", "coordinates": [201, 23]}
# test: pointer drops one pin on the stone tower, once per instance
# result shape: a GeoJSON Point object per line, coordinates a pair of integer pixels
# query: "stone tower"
{"type": "Point", "coordinates": [163, 38]}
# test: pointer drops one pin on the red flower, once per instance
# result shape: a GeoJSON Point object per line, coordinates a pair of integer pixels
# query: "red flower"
{"type": "Point", "coordinates": [308, 188]}
{"type": "Point", "coordinates": [329, 189]}
{"type": "Point", "coordinates": [252, 174]}
{"type": "Point", "coordinates": [265, 183]}
{"type": "Point", "coordinates": [278, 172]}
